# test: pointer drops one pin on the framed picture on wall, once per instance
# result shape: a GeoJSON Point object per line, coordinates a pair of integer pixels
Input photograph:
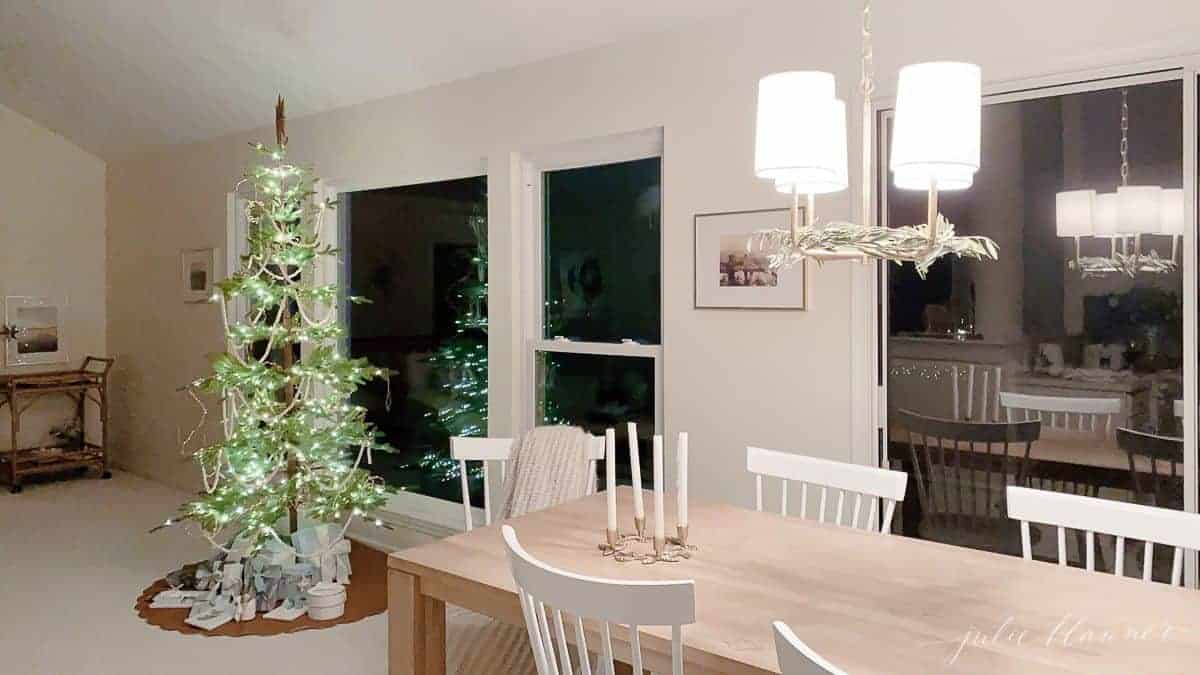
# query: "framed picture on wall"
{"type": "Point", "coordinates": [35, 334]}
{"type": "Point", "coordinates": [198, 273]}
{"type": "Point", "coordinates": [732, 275]}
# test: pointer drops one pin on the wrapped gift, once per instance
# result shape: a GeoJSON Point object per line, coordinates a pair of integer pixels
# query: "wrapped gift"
{"type": "Point", "coordinates": [275, 552]}
{"type": "Point", "coordinates": [208, 616]}
{"type": "Point", "coordinates": [266, 580]}
{"type": "Point", "coordinates": [324, 546]}
{"type": "Point", "coordinates": [294, 583]}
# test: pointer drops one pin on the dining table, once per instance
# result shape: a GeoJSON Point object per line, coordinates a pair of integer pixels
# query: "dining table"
{"type": "Point", "coordinates": [867, 602]}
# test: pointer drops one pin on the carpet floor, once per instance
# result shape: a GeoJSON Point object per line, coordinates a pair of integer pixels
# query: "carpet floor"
{"type": "Point", "coordinates": [75, 554]}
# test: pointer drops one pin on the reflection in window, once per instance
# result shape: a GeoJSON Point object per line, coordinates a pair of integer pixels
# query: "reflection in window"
{"type": "Point", "coordinates": [418, 253]}
{"type": "Point", "coordinates": [598, 392]}
{"type": "Point", "coordinates": [1031, 324]}
{"type": "Point", "coordinates": [602, 251]}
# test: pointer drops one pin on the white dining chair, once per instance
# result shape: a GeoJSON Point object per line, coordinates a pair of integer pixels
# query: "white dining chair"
{"type": "Point", "coordinates": [1094, 516]}
{"type": "Point", "coordinates": [499, 451]}
{"type": "Point", "coordinates": [797, 658]}
{"type": "Point", "coordinates": [480, 645]}
{"type": "Point", "coordinates": [863, 482]}
{"type": "Point", "coordinates": [552, 599]}
{"type": "Point", "coordinates": [1091, 415]}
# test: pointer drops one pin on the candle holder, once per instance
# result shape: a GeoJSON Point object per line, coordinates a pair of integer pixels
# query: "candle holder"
{"type": "Point", "coordinates": [614, 543]}
{"type": "Point", "coordinates": [639, 526]}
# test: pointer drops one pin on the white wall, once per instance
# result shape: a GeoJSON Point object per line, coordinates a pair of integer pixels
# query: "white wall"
{"type": "Point", "coordinates": [731, 377]}
{"type": "Point", "coordinates": [51, 243]}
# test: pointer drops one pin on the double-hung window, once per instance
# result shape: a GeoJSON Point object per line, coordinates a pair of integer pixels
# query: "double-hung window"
{"type": "Point", "coordinates": [594, 355]}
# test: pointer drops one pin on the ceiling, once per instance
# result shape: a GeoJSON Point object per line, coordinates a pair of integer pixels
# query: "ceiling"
{"type": "Point", "coordinates": [120, 77]}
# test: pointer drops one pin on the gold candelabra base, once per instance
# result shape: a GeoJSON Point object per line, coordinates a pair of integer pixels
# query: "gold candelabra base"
{"type": "Point", "coordinates": [665, 549]}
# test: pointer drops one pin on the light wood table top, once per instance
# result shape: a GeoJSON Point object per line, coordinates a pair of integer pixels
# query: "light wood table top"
{"type": "Point", "coordinates": [869, 603]}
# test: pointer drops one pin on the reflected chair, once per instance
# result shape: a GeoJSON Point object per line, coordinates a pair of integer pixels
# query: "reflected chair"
{"type": "Point", "coordinates": [1155, 467]}
{"type": "Point", "coordinates": [962, 470]}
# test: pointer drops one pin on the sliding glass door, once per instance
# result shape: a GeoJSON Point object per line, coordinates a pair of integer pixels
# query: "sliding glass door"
{"type": "Point", "coordinates": [1064, 365]}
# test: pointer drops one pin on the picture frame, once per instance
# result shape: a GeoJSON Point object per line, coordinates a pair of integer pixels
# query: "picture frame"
{"type": "Point", "coordinates": [34, 332]}
{"type": "Point", "coordinates": [728, 276]}
{"type": "Point", "coordinates": [198, 274]}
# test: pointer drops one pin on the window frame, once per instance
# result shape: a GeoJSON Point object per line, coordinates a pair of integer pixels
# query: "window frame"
{"type": "Point", "coordinates": [533, 165]}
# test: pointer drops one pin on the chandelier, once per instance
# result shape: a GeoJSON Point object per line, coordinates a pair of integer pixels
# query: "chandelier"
{"type": "Point", "coordinates": [800, 144]}
{"type": "Point", "coordinates": [1121, 216]}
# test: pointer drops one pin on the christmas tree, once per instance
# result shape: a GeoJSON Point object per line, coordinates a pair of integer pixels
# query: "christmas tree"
{"type": "Point", "coordinates": [460, 364]}
{"type": "Point", "coordinates": [293, 442]}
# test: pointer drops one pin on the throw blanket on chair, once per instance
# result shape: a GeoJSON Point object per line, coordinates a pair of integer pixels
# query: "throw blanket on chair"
{"type": "Point", "coordinates": [548, 467]}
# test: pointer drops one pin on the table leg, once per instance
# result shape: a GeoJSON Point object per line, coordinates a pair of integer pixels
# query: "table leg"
{"type": "Point", "coordinates": [416, 628]}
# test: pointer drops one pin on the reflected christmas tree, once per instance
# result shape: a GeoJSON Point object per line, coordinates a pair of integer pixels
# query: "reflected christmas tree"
{"type": "Point", "coordinates": [460, 364]}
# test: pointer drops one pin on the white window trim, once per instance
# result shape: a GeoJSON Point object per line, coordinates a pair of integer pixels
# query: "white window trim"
{"type": "Point", "coordinates": [534, 163]}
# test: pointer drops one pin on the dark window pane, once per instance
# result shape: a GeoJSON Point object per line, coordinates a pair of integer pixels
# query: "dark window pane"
{"type": "Point", "coordinates": [1032, 323]}
{"type": "Point", "coordinates": [602, 252]}
{"type": "Point", "coordinates": [419, 254]}
{"type": "Point", "coordinates": [598, 392]}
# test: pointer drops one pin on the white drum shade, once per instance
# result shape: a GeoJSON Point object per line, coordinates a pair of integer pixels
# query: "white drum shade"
{"type": "Point", "coordinates": [800, 138]}
{"type": "Point", "coordinates": [937, 126]}
{"type": "Point", "coordinates": [1173, 215]}
{"type": "Point", "coordinates": [1073, 211]}
{"type": "Point", "coordinates": [1139, 209]}
{"type": "Point", "coordinates": [1104, 215]}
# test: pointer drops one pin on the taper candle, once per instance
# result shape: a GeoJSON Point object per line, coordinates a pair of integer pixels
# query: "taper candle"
{"type": "Point", "coordinates": [635, 465]}
{"type": "Point", "coordinates": [681, 484]}
{"type": "Point", "coordinates": [660, 530]}
{"type": "Point", "coordinates": [610, 469]}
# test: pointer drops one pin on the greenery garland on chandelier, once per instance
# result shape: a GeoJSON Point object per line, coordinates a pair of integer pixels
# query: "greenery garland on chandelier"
{"type": "Point", "coordinates": [293, 442]}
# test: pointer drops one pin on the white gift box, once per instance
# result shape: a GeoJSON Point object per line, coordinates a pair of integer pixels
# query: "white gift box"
{"type": "Point", "coordinates": [324, 546]}
{"type": "Point", "coordinates": [326, 601]}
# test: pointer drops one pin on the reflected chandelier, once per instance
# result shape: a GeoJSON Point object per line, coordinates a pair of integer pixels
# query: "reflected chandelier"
{"type": "Point", "coordinates": [800, 144]}
{"type": "Point", "coordinates": [1128, 213]}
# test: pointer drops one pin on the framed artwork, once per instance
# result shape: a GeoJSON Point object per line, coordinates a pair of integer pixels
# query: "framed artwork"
{"type": "Point", "coordinates": [729, 275]}
{"type": "Point", "coordinates": [198, 273]}
{"type": "Point", "coordinates": [35, 334]}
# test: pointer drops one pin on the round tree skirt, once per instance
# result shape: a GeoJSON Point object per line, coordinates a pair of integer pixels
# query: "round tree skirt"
{"type": "Point", "coordinates": [365, 596]}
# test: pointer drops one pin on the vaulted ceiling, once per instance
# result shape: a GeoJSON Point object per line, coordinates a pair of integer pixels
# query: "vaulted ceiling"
{"type": "Point", "coordinates": [119, 77]}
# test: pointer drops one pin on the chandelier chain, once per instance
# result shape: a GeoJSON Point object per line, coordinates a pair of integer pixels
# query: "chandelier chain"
{"type": "Point", "coordinates": [1124, 137]}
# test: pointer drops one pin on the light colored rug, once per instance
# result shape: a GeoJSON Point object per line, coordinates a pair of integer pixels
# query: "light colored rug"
{"type": "Point", "coordinates": [73, 557]}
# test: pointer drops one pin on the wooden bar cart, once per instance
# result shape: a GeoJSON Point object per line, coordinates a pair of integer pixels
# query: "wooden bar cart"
{"type": "Point", "coordinates": [21, 391]}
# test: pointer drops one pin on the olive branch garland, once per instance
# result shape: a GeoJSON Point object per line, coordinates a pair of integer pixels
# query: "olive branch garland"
{"type": "Point", "coordinates": [909, 243]}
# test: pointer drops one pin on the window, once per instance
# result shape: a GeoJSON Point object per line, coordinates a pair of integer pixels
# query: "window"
{"type": "Point", "coordinates": [418, 253]}
{"type": "Point", "coordinates": [974, 335]}
{"type": "Point", "coordinates": [596, 356]}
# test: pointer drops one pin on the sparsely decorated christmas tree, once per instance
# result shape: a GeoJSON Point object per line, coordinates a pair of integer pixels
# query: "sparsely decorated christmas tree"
{"type": "Point", "coordinates": [460, 364]}
{"type": "Point", "coordinates": [293, 442]}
